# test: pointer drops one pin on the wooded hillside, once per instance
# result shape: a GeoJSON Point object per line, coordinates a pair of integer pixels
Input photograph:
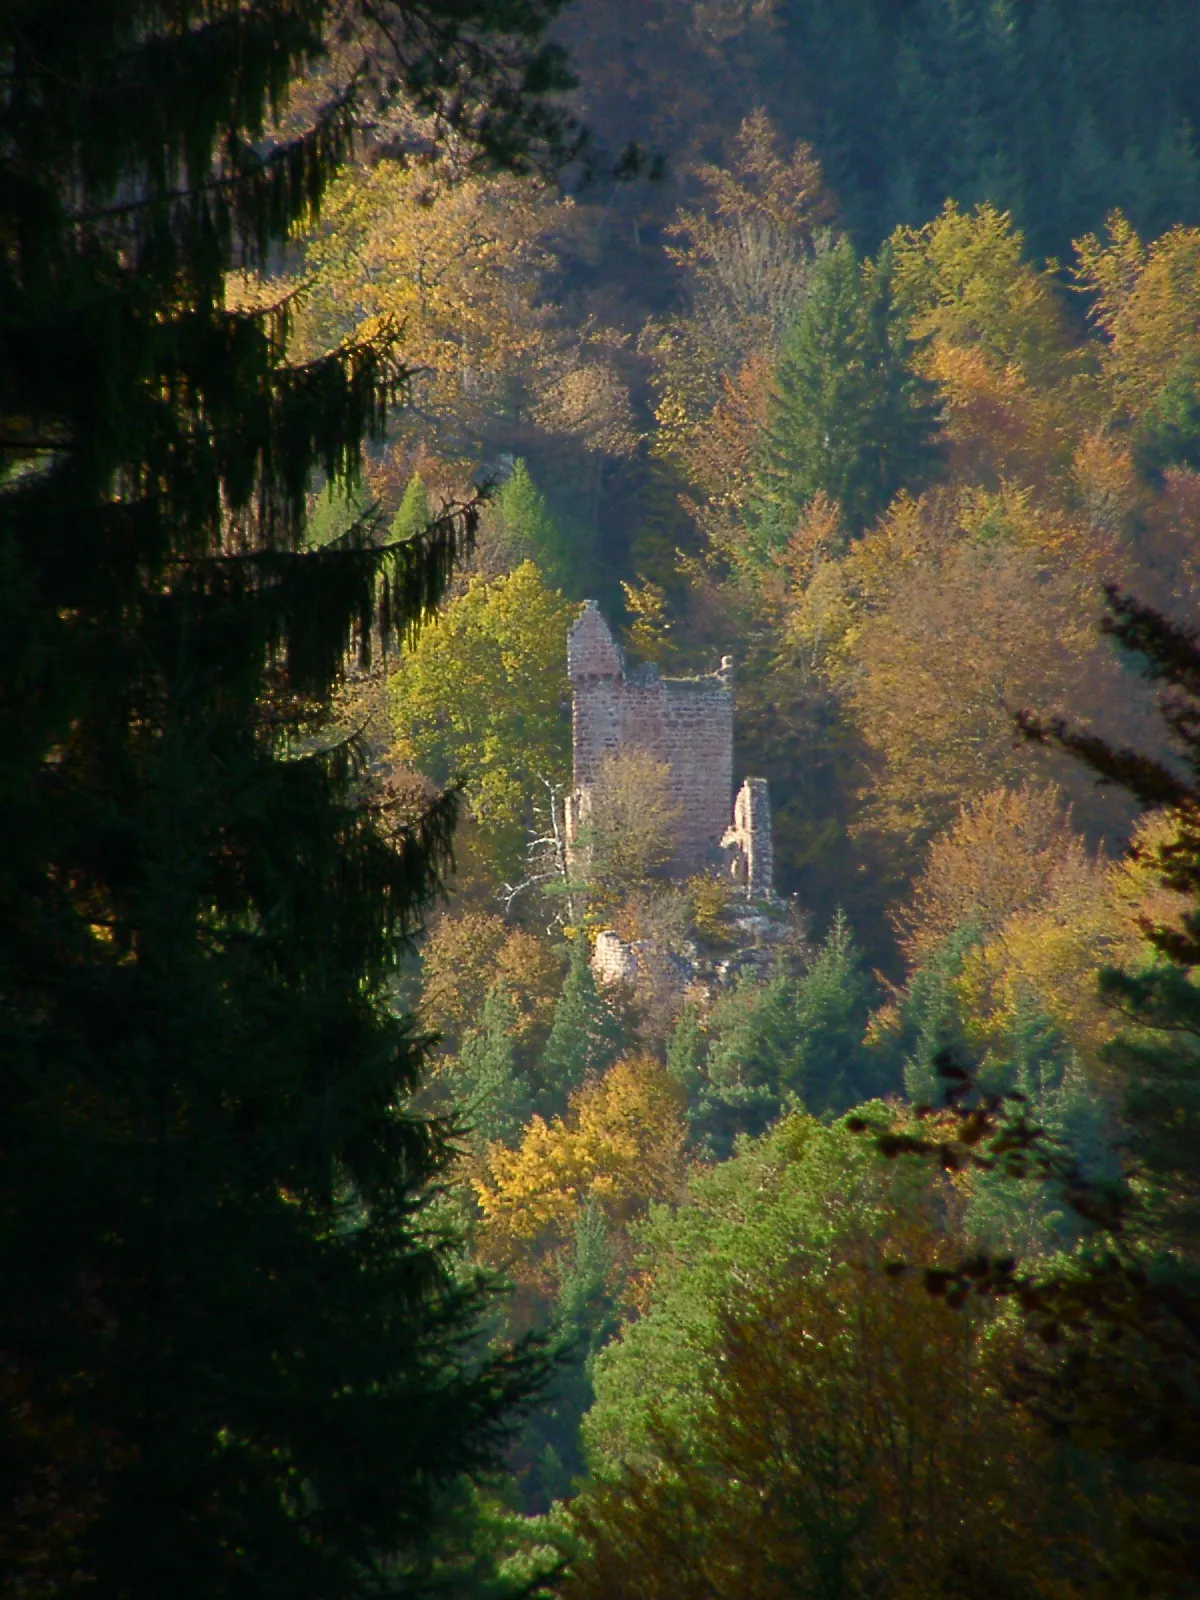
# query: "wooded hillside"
{"type": "Point", "coordinates": [367, 1233]}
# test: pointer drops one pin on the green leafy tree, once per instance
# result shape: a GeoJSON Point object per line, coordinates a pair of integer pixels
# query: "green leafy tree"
{"type": "Point", "coordinates": [848, 415]}
{"type": "Point", "coordinates": [851, 1441]}
{"type": "Point", "coordinates": [483, 693]}
{"type": "Point", "coordinates": [785, 1203]}
{"type": "Point", "coordinates": [237, 1360]}
{"type": "Point", "coordinates": [584, 1036]}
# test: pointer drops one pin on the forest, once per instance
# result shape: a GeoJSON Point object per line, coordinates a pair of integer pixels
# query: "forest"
{"type": "Point", "coordinates": [369, 1228]}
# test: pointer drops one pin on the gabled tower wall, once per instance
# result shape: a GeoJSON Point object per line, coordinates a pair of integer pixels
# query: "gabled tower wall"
{"type": "Point", "coordinates": [686, 723]}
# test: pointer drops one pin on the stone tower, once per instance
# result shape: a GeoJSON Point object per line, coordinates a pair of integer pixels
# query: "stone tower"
{"type": "Point", "coordinates": [687, 723]}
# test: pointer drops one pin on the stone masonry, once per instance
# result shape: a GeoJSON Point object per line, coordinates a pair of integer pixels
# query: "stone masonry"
{"type": "Point", "coordinates": [748, 847]}
{"type": "Point", "coordinates": [687, 723]}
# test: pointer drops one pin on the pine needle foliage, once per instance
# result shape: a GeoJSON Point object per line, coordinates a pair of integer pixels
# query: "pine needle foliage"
{"type": "Point", "coordinates": [1158, 1059]}
{"type": "Point", "coordinates": [496, 1100]}
{"type": "Point", "coordinates": [584, 1037]}
{"type": "Point", "coordinates": [237, 1358]}
{"type": "Point", "coordinates": [849, 417]}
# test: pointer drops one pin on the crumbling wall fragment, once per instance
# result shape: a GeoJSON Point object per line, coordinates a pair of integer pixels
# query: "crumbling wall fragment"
{"type": "Point", "coordinates": [749, 851]}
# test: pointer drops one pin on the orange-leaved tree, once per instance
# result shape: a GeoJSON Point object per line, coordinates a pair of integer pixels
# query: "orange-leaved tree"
{"type": "Point", "coordinates": [620, 1147]}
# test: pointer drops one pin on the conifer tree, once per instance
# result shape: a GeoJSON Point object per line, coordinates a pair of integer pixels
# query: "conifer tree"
{"type": "Point", "coordinates": [236, 1361]}
{"type": "Point", "coordinates": [685, 1051]}
{"type": "Point", "coordinates": [495, 1100]}
{"type": "Point", "coordinates": [1116, 1366]}
{"type": "Point", "coordinates": [413, 515]}
{"type": "Point", "coordinates": [752, 1047]}
{"type": "Point", "coordinates": [1159, 1060]}
{"type": "Point", "coordinates": [931, 1019]}
{"type": "Point", "coordinates": [584, 1036]}
{"type": "Point", "coordinates": [830, 1068]}
{"type": "Point", "coordinates": [586, 1319]}
{"type": "Point", "coordinates": [528, 530]}
{"type": "Point", "coordinates": [848, 417]}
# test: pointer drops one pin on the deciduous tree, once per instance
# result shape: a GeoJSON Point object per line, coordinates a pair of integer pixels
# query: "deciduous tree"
{"type": "Point", "coordinates": [620, 1146]}
{"type": "Point", "coordinates": [787, 1206]}
{"type": "Point", "coordinates": [629, 833]}
{"type": "Point", "coordinates": [852, 1442]}
{"type": "Point", "coordinates": [466, 952]}
{"type": "Point", "coordinates": [745, 256]}
{"type": "Point", "coordinates": [992, 613]}
{"type": "Point", "coordinates": [1002, 854]}
{"type": "Point", "coordinates": [482, 694]}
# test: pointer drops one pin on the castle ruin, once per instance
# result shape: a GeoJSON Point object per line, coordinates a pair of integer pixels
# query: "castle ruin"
{"type": "Point", "coordinates": [685, 723]}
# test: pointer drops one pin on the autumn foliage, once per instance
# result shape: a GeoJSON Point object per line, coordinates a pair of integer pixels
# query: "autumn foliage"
{"type": "Point", "coordinates": [620, 1146]}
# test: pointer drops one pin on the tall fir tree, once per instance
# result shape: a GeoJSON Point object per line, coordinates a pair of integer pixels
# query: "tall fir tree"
{"type": "Point", "coordinates": [848, 415]}
{"type": "Point", "coordinates": [414, 514]}
{"type": "Point", "coordinates": [586, 1318]}
{"type": "Point", "coordinates": [584, 1035]}
{"type": "Point", "coordinates": [527, 529]}
{"type": "Point", "coordinates": [494, 1097]}
{"type": "Point", "coordinates": [236, 1359]}
{"type": "Point", "coordinates": [685, 1051]}
{"type": "Point", "coordinates": [1158, 1059]}
{"type": "Point", "coordinates": [831, 1069]}
{"type": "Point", "coordinates": [931, 1022]}
{"type": "Point", "coordinates": [1116, 1364]}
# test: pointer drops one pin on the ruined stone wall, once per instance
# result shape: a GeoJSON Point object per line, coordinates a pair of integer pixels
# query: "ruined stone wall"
{"type": "Point", "coordinates": [748, 843]}
{"type": "Point", "coordinates": [685, 722]}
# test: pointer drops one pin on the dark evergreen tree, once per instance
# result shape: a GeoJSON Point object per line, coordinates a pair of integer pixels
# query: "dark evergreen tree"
{"type": "Point", "coordinates": [685, 1051]}
{"type": "Point", "coordinates": [585, 1318]}
{"type": "Point", "coordinates": [236, 1359]}
{"type": "Point", "coordinates": [830, 1068]}
{"type": "Point", "coordinates": [1056, 109]}
{"type": "Point", "coordinates": [931, 1024]}
{"type": "Point", "coordinates": [1036, 1063]}
{"type": "Point", "coordinates": [494, 1097]}
{"type": "Point", "coordinates": [334, 514]}
{"type": "Point", "coordinates": [752, 1030]}
{"type": "Point", "coordinates": [584, 1038]}
{"type": "Point", "coordinates": [849, 417]}
{"type": "Point", "coordinates": [752, 1041]}
{"type": "Point", "coordinates": [1160, 1059]}
{"type": "Point", "coordinates": [1168, 432]}
{"type": "Point", "coordinates": [785, 1039]}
